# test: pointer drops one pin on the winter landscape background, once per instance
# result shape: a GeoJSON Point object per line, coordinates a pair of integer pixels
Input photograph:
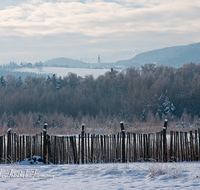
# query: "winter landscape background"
{"type": "Point", "coordinates": [99, 62]}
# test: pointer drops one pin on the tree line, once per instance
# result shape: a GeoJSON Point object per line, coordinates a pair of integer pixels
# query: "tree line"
{"type": "Point", "coordinates": [132, 94]}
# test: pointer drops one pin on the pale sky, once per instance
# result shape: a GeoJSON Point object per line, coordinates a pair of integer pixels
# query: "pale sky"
{"type": "Point", "coordinates": [38, 30]}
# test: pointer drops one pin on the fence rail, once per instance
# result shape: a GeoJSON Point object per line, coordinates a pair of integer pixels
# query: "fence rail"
{"type": "Point", "coordinates": [94, 148]}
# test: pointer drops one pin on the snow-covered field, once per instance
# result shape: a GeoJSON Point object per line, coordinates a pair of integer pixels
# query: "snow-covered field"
{"type": "Point", "coordinates": [185, 175]}
{"type": "Point", "coordinates": [61, 71]}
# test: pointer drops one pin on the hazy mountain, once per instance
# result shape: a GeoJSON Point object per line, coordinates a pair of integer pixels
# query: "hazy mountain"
{"type": "Point", "coordinates": [175, 56]}
{"type": "Point", "coordinates": [66, 62]}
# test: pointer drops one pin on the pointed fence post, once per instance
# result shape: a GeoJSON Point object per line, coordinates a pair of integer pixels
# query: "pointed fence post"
{"type": "Point", "coordinates": [9, 158]}
{"type": "Point", "coordinates": [165, 141]}
{"type": "Point", "coordinates": [123, 141]}
{"type": "Point", "coordinates": [82, 143]}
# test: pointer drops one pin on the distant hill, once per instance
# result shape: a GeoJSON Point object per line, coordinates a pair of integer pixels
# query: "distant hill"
{"type": "Point", "coordinates": [175, 56]}
{"type": "Point", "coordinates": [66, 62]}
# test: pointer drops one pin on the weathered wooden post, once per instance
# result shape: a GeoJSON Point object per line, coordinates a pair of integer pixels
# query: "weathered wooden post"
{"type": "Point", "coordinates": [196, 146]}
{"type": "Point", "coordinates": [73, 149]}
{"type": "Point", "coordinates": [82, 143]}
{"type": "Point", "coordinates": [181, 143]}
{"type": "Point", "coordinates": [15, 147]}
{"type": "Point", "coordinates": [9, 158]}
{"type": "Point", "coordinates": [86, 160]}
{"type": "Point", "coordinates": [157, 150]}
{"type": "Point", "coordinates": [165, 141]}
{"type": "Point", "coordinates": [27, 147]}
{"type": "Point", "coordinates": [49, 149]}
{"type": "Point", "coordinates": [171, 144]}
{"type": "Point", "coordinates": [191, 147]}
{"type": "Point", "coordinates": [23, 146]}
{"type": "Point", "coordinates": [18, 149]}
{"type": "Point", "coordinates": [199, 141]}
{"type": "Point", "coordinates": [79, 147]}
{"type": "Point", "coordinates": [92, 139]}
{"type": "Point", "coordinates": [89, 147]}
{"type": "Point", "coordinates": [45, 142]}
{"type": "Point", "coordinates": [123, 141]}
{"type": "Point", "coordinates": [134, 146]}
{"type": "Point", "coordinates": [186, 147]}
{"type": "Point", "coordinates": [4, 147]}
{"type": "Point", "coordinates": [1, 149]}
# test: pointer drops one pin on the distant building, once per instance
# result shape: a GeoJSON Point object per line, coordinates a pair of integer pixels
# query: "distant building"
{"type": "Point", "coordinates": [99, 59]}
{"type": "Point", "coordinates": [99, 62]}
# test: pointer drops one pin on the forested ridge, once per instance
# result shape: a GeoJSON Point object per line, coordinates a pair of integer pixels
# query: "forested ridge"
{"type": "Point", "coordinates": [176, 56]}
{"type": "Point", "coordinates": [159, 91]}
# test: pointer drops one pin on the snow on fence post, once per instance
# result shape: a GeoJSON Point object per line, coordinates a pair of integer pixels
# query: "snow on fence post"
{"type": "Point", "coordinates": [82, 143]}
{"type": "Point", "coordinates": [165, 141]}
{"type": "Point", "coordinates": [44, 142]}
{"type": "Point", "coordinates": [9, 158]}
{"type": "Point", "coordinates": [123, 141]}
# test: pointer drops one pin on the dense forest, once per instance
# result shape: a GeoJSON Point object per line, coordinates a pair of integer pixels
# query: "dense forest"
{"type": "Point", "coordinates": [133, 94]}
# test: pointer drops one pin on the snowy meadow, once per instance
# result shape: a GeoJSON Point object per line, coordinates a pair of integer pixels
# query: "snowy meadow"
{"type": "Point", "coordinates": [184, 175]}
{"type": "Point", "coordinates": [62, 71]}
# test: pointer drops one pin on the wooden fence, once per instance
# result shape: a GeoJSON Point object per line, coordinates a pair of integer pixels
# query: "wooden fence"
{"type": "Point", "coordinates": [93, 148]}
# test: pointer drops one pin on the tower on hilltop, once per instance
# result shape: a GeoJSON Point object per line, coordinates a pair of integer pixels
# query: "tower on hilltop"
{"type": "Point", "coordinates": [99, 59]}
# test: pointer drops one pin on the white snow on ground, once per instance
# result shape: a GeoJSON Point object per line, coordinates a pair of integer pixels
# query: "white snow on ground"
{"type": "Point", "coordinates": [183, 175]}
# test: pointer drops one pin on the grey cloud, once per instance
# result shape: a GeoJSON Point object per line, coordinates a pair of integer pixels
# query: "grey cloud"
{"type": "Point", "coordinates": [96, 18]}
{"type": "Point", "coordinates": [40, 30]}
